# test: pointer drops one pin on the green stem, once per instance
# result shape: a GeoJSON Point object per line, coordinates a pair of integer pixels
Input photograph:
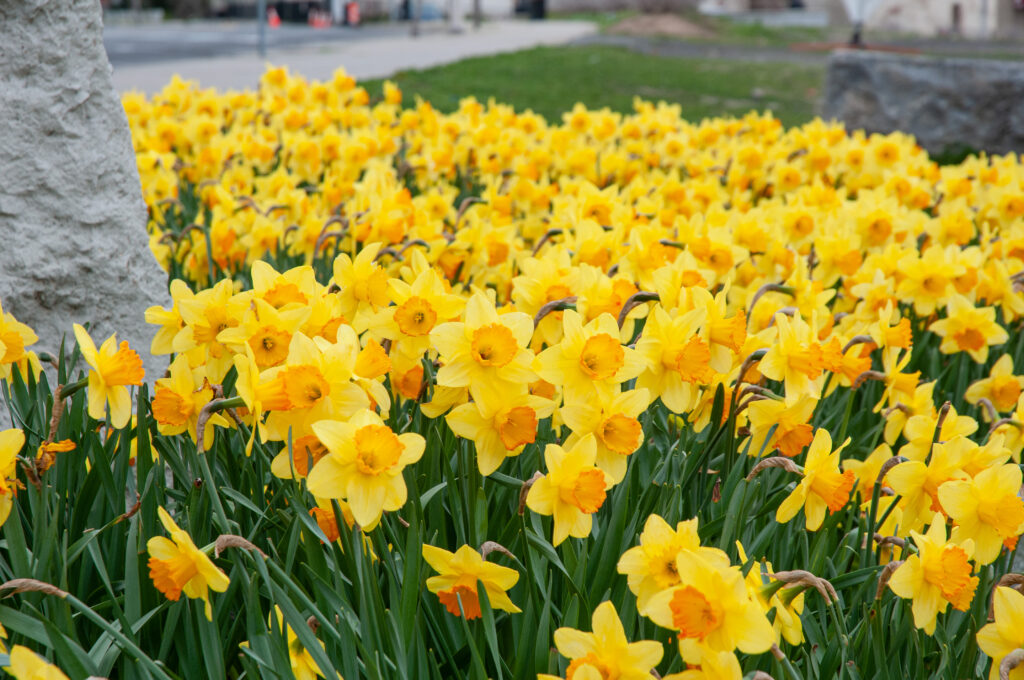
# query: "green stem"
{"type": "Point", "coordinates": [121, 639]}
{"type": "Point", "coordinates": [210, 484]}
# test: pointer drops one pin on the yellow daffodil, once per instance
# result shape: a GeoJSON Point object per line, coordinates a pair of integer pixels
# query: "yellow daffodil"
{"type": "Point", "coordinates": [364, 465]}
{"type": "Point", "coordinates": [24, 664]}
{"type": "Point", "coordinates": [987, 509]}
{"type": "Point", "coordinates": [11, 443]}
{"type": "Point", "coordinates": [651, 566]}
{"type": "Point", "coordinates": [178, 399]}
{"type": "Point", "coordinates": [678, 358]}
{"type": "Point", "coordinates": [1006, 634]}
{"type": "Point", "coordinates": [364, 285]}
{"type": "Point", "coordinates": [711, 609]}
{"type": "Point", "coordinates": [303, 666]}
{"type": "Point", "coordinates": [316, 377]}
{"type": "Point", "coordinates": [937, 576]}
{"type": "Point", "coordinates": [918, 483]}
{"type": "Point", "coordinates": [789, 425]}
{"type": "Point", "coordinates": [14, 338]}
{"type": "Point", "coordinates": [503, 432]}
{"type": "Point", "coordinates": [112, 369]}
{"type": "Point", "coordinates": [920, 432]}
{"type": "Point", "coordinates": [573, 489]}
{"type": "Point", "coordinates": [612, 417]}
{"type": "Point", "coordinates": [457, 578]}
{"type": "Point", "coordinates": [486, 353]}
{"type": "Point", "coordinates": [822, 488]}
{"type": "Point", "coordinates": [711, 666]}
{"type": "Point", "coordinates": [177, 566]}
{"type": "Point", "coordinates": [795, 359]}
{"type": "Point", "coordinates": [205, 315]}
{"type": "Point", "coordinates": [266, 330]}
{"type": "Point", "coordinates": [967, 328]}
{"type": "Point", "coordinates": [590, 360]}
{"type": "Point", "coordinates": [1002, 388]}
{"type": "Point", "coordinates": [607, 650]}
{"type": "Point", "coordinates": [418, 308]}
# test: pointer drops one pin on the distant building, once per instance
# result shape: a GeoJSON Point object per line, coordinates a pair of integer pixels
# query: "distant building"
{"type": "Point", "coordinates": [966, 18]}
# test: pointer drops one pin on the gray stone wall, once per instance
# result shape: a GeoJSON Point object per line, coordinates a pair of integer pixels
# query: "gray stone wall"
{"type": "Point", "coordinates": [943, 102]}
{"type": "Point", "coordinates": [73, 242]}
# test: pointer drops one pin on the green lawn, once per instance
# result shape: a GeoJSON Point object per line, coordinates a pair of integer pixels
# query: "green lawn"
{"type": "Point", "coordinates": [550, 80]}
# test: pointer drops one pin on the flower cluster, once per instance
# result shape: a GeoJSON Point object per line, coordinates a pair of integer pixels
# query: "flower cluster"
{"type": "Point", "coordinates": [629, 347]}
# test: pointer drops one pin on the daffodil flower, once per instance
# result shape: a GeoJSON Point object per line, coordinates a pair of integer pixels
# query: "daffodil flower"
{"type": "Point", "coordinates": [457, 576]}
{"type": "Point", "coordinates": [177, 566]}
{"type": "Point", "coordinates": [113, 369]}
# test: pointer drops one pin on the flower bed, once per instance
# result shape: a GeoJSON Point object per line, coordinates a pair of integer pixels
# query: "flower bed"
{"type": "Point", "coordinates": [448, 392]}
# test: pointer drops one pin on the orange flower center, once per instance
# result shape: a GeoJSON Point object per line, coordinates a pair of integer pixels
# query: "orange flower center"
{"type": "Point", "coordinates": [934, 285]}
{"type": "Point", "coordinates": [602, 356]}
{"type": "Point", "coordinates": [497, 252]}
{"type": "Point", "coordinates": [307, 452]}
{"type": "Point", "coordinates": [879, 230]}
{"type": "Point", "coordinates": [415, 317]}
{"type": "Point", "coordinates": [304, 385]}
{"type": "Point", "coordinates": [899, 335]}
{"type": "Point", "coordinates": [590, 661]}
{"type": "Point", "coordinates": [372, 361]}
{"type": "Point", "coordinates": [170, 408]}
{"type": "Point", "coordinates": [691, 361]}
{"type": "Point", "coordinates": [283, 293]}
{"type": "Point", "coordinates": [494, 345]}
{"type": "Point", "coordinates": [377, 449]}
{"type": "Point", "coordinates": [951, 572]}
{"type": "Point", "coordinates": [270, 346]}
{"type": "Point", "coordinates": [586, 492]}
{"type": "Point", "coordinates": [1005, 514]}
{"type": "Point", "coordinates": [272, 395]}
{"type": "Point", "coordinates": [730, 332]}
{"type": "Point", "coordinates": [327, 523]}
{"type": "Point", "coordinates": [410, 383]}
{"type": "Point", "coordinates": [693, 614]}
{"type": "Point", "coordinates": [970, 339]}
{"type": "Point", "coordinates": [470, 602]}
{"type": "Point", "coordinates": [1005, 392]}
{"type": "Point", "coordinates": [792, 440]}
{"type": "Point", "coordinates": [542, 388]}
{"type": "Point", "coordinates": [557, 291]}
{"type": "Point", "coordinates": [124, 367]}
{"type": "Point", "coordinates": [833, 488]}
{"type": "Point", "coordinates": [809, 360]}
{"type": "Point", "coordinates": [170, 576]}
{"type": "Point", "coordinates": [516, 427]}
{"type": "Point", "coordinates": [620, 433]}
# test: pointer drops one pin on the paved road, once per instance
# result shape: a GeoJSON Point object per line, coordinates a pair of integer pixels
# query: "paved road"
{"type": "Point", "coordinates": [170, 41]}
{"type": "Point", "coordinates": [224, 56]}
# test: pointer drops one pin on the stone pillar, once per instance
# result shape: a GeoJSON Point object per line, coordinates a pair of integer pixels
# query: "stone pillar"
{"type": "Point", "coordinates": [73, 242]}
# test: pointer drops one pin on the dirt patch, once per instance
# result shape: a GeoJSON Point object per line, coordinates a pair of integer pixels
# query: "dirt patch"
{"type": "Point", "coordinates": [669, 25]}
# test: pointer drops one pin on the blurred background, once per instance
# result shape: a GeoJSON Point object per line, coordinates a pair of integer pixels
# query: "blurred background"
{"type": "Point", "coordinates": [711, 57]}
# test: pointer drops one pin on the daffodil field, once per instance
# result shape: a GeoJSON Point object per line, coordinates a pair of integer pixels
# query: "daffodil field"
{"type": "Point", "coordinates": [479, 395]}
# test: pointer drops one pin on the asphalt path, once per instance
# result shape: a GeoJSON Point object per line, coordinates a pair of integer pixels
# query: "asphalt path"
{"type": "Point", "coordinates": [130, 45]}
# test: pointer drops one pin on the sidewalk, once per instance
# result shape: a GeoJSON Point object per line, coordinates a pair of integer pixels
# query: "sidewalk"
{"type": "Point", "coordinates": [363, 58]}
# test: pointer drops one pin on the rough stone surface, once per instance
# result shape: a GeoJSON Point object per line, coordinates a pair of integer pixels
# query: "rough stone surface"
{"type": "Point", "coordinates": [943, 102]}
{"type": "Point", "coordinates": [73, 243]}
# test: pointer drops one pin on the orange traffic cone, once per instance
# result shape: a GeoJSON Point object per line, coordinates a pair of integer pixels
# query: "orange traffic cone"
{"type": "Point", "coordinates": [273, 20]}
